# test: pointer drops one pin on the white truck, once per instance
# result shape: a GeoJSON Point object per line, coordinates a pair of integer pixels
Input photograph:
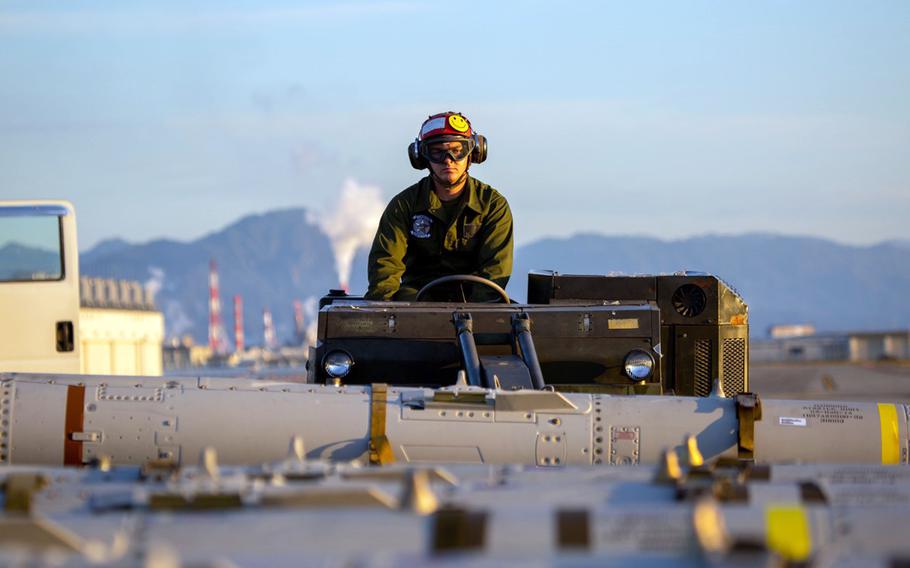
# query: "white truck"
{"type": "Point", "coordinates": [53, 320]}
{"type": "Point", "coordinates": [39, 287]}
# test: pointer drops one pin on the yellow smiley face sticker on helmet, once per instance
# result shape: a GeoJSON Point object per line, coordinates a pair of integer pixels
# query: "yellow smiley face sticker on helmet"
{"type": "Point", "coordinates": [458, 122]}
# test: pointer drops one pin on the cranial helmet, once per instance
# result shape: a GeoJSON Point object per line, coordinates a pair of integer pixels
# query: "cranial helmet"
{"type": "Point", "coordinates": [443, 127]}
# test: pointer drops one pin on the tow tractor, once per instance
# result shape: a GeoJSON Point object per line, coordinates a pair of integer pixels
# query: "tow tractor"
{"type": "Point", "coordinates": [674, 334]}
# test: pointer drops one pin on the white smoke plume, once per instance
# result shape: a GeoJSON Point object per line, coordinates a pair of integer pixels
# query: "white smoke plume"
{"type": "Point", "coordinates": [156, 280]}
{"type": "Point", "coordinates": [352, 224]}
{"type": "Point", "coordinates": [310, 313]}
{"type": "Point", "coordinates": [176, 320]}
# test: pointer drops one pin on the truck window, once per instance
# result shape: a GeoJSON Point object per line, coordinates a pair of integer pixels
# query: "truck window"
{"type": "Point", "coordinates": [31, 244]}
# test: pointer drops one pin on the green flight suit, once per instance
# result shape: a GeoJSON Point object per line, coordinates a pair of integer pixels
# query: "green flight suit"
{"type": "Point", "coordinates": [420, 238]}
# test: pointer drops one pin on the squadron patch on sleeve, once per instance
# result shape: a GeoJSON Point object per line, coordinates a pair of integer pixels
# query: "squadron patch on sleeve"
{"type": "Point", "coordinates": [421, 225]}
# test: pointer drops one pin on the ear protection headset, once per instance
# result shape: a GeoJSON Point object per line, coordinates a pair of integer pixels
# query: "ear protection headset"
{"type": "Point", "coordinates": [415, 154]}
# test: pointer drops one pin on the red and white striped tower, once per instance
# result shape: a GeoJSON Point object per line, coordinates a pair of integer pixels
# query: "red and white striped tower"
{"type": "Point", "coordinates": [217, 336]}
{"type": "Point", "coordinates": [268, 329]}
{"type": "Point", "coordinates": [239, 342]}
{"type": "Point", "coordinates": [299, 329]}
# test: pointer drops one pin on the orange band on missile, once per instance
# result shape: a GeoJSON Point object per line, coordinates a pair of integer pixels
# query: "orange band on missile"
{"type": "Point", "coordinates": [75, 414]}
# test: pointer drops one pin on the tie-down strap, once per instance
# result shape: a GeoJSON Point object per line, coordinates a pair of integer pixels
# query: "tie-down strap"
{"type": "Point", "coordinates": [748, 411]}
{"type": "Point", "coordinates": [380, 449]}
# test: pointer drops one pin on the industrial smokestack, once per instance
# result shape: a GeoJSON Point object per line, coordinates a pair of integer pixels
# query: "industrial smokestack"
{"type": "Point", "coordinates": [299, 323]}
{"type": "Point", "coordinates": [239, 342]}
{"type": "Point", "coordinates": [352, 225]}
{"type": "Point", "coordinates": [270, 340]}
{"type": "Point", "coordinates": [217, 336]}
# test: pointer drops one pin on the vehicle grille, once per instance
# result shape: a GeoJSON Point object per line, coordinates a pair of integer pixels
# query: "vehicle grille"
{"type": "Point", "coordinates": [734, 365]}
{"type": "Point", "coordinates": [703, 380]}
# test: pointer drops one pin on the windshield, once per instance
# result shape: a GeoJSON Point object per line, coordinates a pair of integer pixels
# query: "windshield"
{"type": "Point", "coordinates": [30, 246]}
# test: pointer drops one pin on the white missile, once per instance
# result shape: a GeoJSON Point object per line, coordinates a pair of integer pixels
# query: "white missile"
{"type": "Point", "coordinates": [72, 420]}
{"type": "Point", "coordinates": [340, 514]}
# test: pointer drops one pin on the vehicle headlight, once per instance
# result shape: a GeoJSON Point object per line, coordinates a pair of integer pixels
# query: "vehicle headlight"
{"type": "Point", "coordinates": [639, 365]}
{"type": "Point", "coordinates": [337, 364]}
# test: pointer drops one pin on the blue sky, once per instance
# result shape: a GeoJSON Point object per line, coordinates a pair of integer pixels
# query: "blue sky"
{"type": "Point", "coordinates": [670, 119]}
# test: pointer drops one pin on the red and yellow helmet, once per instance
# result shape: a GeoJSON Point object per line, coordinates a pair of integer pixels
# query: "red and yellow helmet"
{"type": "Point", "coordinates": [443, 127]}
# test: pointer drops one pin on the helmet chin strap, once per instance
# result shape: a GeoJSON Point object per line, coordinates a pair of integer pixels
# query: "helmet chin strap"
{"type": "Point", "coordinates": [446, 185]}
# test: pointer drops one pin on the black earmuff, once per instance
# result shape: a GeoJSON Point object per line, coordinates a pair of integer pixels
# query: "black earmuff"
{"type": "Point", "coordinates": [479, 153]}
{"type": "Point", "coordinates": [418, 162]}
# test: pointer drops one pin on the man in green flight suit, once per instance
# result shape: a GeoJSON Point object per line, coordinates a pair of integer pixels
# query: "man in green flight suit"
{"type": "Point", "coordinates": [447, 223]}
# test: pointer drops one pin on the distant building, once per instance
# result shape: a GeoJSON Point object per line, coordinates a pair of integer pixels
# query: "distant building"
{"type": "Point", "coordinates": [183, 353]}
{"type": "Point", "coordinates": [120, 330]}
{"type": "Point", "coordinates": [791, 330]}
{"type": "Point", "coordinates": [878, 345]}
{"type": "Point", "coordinates": [846, 346]}
{"type": "Point", "coordinates": [807, 348]}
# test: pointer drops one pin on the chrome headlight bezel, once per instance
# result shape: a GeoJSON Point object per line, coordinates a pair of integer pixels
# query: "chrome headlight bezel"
{"type": "Point", "coordinates": [638, 365]}
{"type": "Point", "coordinates": [337, 364]}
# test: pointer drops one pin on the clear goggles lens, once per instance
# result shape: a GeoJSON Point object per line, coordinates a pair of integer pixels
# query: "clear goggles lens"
{"type": "Point", "coordinates": [457, 150]}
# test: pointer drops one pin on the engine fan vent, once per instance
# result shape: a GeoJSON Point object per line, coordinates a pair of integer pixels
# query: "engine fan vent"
{"type": "Point", "coordinates": [689, 300]}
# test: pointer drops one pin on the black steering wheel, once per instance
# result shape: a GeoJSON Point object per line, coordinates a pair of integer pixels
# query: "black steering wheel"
{"type": "Point", "coordinates": [465, 278]}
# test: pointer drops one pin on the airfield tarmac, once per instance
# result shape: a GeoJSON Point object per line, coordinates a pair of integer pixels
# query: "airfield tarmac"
{"type": "Point", "coordinates": [868, 381]}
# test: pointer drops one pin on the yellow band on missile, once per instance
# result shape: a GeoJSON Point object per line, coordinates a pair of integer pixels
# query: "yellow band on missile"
{"type": "Point", "coordinates": [787, 532]}
{"type": "Point", "coordinates": [891, 442]}
{"type": "Point", "coordinates": [380, 450]}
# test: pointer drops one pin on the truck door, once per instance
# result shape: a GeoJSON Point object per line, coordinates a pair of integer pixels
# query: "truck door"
{"type": "Point", "coordinates": [39, 287]}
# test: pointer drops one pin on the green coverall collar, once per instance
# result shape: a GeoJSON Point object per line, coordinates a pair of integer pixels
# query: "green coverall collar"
{"type": "Point", "coordinates": [433, 204]}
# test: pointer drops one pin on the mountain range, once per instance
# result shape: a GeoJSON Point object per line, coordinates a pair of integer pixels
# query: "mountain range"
{"type": "Point", "coordinates": [23, 262]}
{"type": "Point", "coordinates": [270, 260]}
{"type": "Point", "coordinates": [784, 279]}
{"type": "Point", "coordinates": [274, 258]}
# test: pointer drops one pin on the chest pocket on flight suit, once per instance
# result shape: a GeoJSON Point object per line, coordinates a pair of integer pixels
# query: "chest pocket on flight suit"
{"type": "Point", "coordinates": [469, 234]}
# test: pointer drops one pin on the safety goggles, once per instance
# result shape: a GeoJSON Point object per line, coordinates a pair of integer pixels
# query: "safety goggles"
{"type": "Point", "coordinates": [457, 150]}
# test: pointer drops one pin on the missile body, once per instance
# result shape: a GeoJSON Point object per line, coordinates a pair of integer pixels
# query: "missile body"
{"type": "Point", "coordinates": [302, 512]}
{"type": "Point", "coordinates": [72, 420]}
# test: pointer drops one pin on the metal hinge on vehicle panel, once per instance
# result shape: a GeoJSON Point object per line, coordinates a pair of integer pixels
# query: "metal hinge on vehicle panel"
{"type": "Point", "coordinates": [86, 436]}
{"type": "Point", "coordinates": [585, 324]}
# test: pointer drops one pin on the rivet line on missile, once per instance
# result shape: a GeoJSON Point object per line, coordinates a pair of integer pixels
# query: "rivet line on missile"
{"type": "Point", "coordinates": [5, 420]}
